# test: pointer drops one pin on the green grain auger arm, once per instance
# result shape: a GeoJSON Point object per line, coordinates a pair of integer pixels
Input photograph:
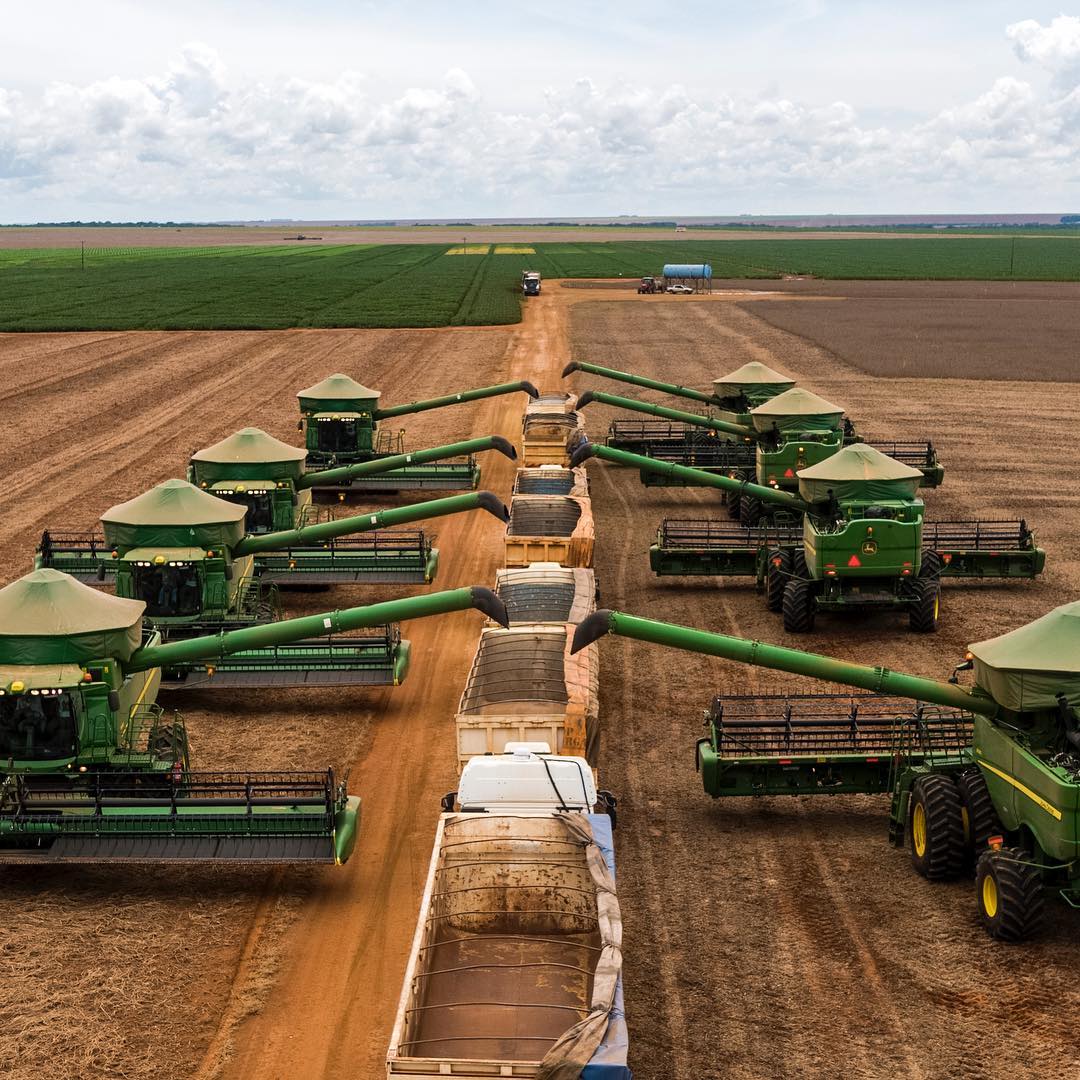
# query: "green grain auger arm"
{"type": "Point", "coordinates": [92, 769]}
{"type": "Point", "coordinates": [986, 778]}
{"type": "Point", "coordinates": [340, 417]}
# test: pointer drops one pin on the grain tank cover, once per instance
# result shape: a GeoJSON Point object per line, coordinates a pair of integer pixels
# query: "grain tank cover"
{"type": "Point", "coordinates": [859, 472]}
{"type": "Point", "coordinates": [1024, 669]}
{"type": "Point", "coordinates": [249, 453]}
{"type": "Point", "coordinates": [797, 410]}
{"type": "Point", "coordinates": [47, 617]}
{"type": "Point", "coordinates": [338, 392]}
{"type": "Point", "coordinates": [755, 381]}
{"type": "Point", "coordinates": [175, 514]}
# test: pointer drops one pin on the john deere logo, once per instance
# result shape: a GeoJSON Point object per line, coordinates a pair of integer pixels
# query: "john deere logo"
{"type": "Point", "coordinates": [869, 547]}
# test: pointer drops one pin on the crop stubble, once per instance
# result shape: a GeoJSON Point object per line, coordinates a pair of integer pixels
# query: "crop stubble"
{"type": "Point", "coordinates": [782, 937]}
{"type": "Point", "coordinates": [124, 971]}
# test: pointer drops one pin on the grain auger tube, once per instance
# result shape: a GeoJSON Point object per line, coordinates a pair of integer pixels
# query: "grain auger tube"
{"type": "Point", "coordinates": [987, 777]}
{"type": "Point", "coordinates": [340, 419]}
{"type": "Point", "coordinates": [184, 554]}
{"type": "Point", "coordinates": [92, 769]}
{"type": "Point", "coordinates": [854, 537]}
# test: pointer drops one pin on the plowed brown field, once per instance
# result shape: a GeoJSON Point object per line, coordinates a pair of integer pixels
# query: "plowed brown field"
{"type": "Point", "coordinates": [778, 938]}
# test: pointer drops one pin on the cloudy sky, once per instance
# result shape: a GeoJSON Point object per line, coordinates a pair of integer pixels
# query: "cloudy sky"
{"type": "Point", "coordinates": [222, 109]}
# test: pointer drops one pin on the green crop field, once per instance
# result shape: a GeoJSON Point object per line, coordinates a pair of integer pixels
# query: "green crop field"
{"type": "Point", "coordinates": [271, 287]}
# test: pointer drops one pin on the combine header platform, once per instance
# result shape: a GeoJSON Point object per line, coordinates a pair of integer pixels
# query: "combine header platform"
{"type": "Point", "coordinates": [340, 419]}
{"type": "Point", "coordinates": [92, 769]}
{"type": "Point", "coordinates": [987, 777]}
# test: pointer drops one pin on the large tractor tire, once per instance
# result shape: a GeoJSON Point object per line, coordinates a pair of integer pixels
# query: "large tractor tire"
{"type": "Point", "coordinates": [980, 818]}
{"type": "Point", "coordinates": [937, 828]}
{"type": "Point", "coordinates": [731, 504]}
{"type": "Point", "coordinates": [777, 575]}
{"type": "Point", "coordinates": [931, 565]}
{"type": "Point", "coordinates": [798, 607]}
{"type": "Point", "coordinates": [799, 568]}
{"type": "Point", "coordinates": [751, 511]}
{"type": "Point", "coordinates": [169, 742]}
{"type": "Point", "coordinates": [1009, 893]}
{"type": "Point", "coordinates": [924, 613]}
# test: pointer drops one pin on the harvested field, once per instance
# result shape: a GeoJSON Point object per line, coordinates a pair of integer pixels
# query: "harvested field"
{"type": "Point", "coordinates": [993, 337]}
{"type": "Point", "coordinates": [112, 972]}
{"type": "Point", "coordinates": [784, 937]}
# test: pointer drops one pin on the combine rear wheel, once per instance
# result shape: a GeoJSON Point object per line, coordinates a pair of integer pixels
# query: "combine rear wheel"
{"type": "Point", "coordinates": [777, 575]}
{"type": "Point", "coordinates": [924, 612]}
{"type": "Point", "coordinates": [980, 818]}
{"type": "Point", "coordinates": [798, 607]}
{"type": "Point", "coordinates": [937, 828]}
{"type": "Point", "coordinates": [1009, 894]}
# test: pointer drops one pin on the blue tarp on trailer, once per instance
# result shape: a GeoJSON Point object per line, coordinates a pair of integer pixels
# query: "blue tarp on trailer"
{"type": "Point", "coordinates": [609, 1061]}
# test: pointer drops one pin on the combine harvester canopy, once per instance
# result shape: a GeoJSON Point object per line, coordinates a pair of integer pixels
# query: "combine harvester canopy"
{"type": "Point", "coordinates": [185, 554]}
{"type": "Point", "coordinates": [1006, 795]}
{"type": "Point", "coordinates": [92, 769]}
{"type": "Point", "coordinates": [516, 965]}
{"type": "Point", "coordinates": [267, 477]}
{"type": "Point", "coordinates": [340, 418]}
{"type": "Point", "coordinates": [861, 540]}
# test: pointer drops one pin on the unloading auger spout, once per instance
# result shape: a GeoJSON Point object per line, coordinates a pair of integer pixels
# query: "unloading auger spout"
{"type": "Point", "coordinates": [256, 544]}
{"type": "Point", "coordinates": [314, 626]}
{"type": "Point", "coordinates": [699, 478]}
{"type": "Point", "coordinates": [639, 380]}
{"type": "Point", "coordinates": [457, 399]}
{"type": "Point", "coordinates": [879, 680]}
{"type": "Point", "coordinates": [381, 465]}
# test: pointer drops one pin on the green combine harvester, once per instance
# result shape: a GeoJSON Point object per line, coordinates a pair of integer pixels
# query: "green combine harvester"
{"type": "Point", "coordinates": [986, 778]}
{"type": "Point", "coordinates": [93, 770]}
{"type": "Point", "coordinates": [340, 420]}
{"type": "Point", "coordinates": [855, 539]}
{"type": "Point", "coordinates": [185, 554]}
{"type": "Point", "coordinates": [748, 435]}
{"type": "Point", "coordinates": [267, 478]}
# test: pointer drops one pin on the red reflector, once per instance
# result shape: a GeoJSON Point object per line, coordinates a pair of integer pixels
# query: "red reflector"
{"type": "Point", "coordinates": [871, 761]}
{"type": "Point", "coordinates": [854, 561]}
{"type": "Point", "coordinates": [785, 761]}
{"type": "Point", "coordinates": [946, 558]}
{"type": "Point", "coordinates": [789, 473]}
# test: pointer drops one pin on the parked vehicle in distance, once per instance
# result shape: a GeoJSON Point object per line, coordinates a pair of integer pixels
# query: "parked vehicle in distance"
{"type": "Point", "coordinates": [679, 289]}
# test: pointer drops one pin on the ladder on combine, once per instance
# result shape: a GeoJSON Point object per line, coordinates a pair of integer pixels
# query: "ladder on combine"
{"type": "Point", "coordinates": [819, 744]}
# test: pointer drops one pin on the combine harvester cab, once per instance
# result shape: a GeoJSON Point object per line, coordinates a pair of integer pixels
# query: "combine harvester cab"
{"type": "Point", "coordinates": [516, 965]}
{"type": "Point", "coordinates": [267, 477]}
{"type": "Point", "coordinates": [185, 555]}
{"type": "Point", "coordinates": [340, 420]}
{"type": "Point", "coordinates": [93, 770]}
{"type": "Point", "coordinates": [987, 777]}
{"type": "Point", "coordinates": [860, 542]}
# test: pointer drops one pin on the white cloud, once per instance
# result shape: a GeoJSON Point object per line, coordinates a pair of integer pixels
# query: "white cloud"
{"type": "Point", "coordinates": [200, 141]}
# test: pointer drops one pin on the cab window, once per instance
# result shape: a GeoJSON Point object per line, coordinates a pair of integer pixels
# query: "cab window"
{"type": "Point", "coordinates": [168, 590]}
{"type": "Point", "coordinates": [37, 727]}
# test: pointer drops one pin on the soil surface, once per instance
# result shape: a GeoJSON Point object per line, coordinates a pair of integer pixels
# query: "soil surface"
{"type": "Point", "coordinates": [784, 937]}
{"type": "Point", "coordinates": [766, 938]}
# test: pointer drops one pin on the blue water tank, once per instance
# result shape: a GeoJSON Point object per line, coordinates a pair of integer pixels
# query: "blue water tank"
{"type": "Point", "coordinates": [688, 270]}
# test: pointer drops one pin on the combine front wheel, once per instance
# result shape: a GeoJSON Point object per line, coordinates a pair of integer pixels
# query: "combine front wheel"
{"type": "Point", "coordinates": [980, 818]}
{"type": "Point", "coordinates": [937, 828]}
{"type": "Point", "coordinates": [1009, 894]}
{"type": "Point", "coordinates": [731, 504]}
{"type": "Point", "coordinates": [750, 511]}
